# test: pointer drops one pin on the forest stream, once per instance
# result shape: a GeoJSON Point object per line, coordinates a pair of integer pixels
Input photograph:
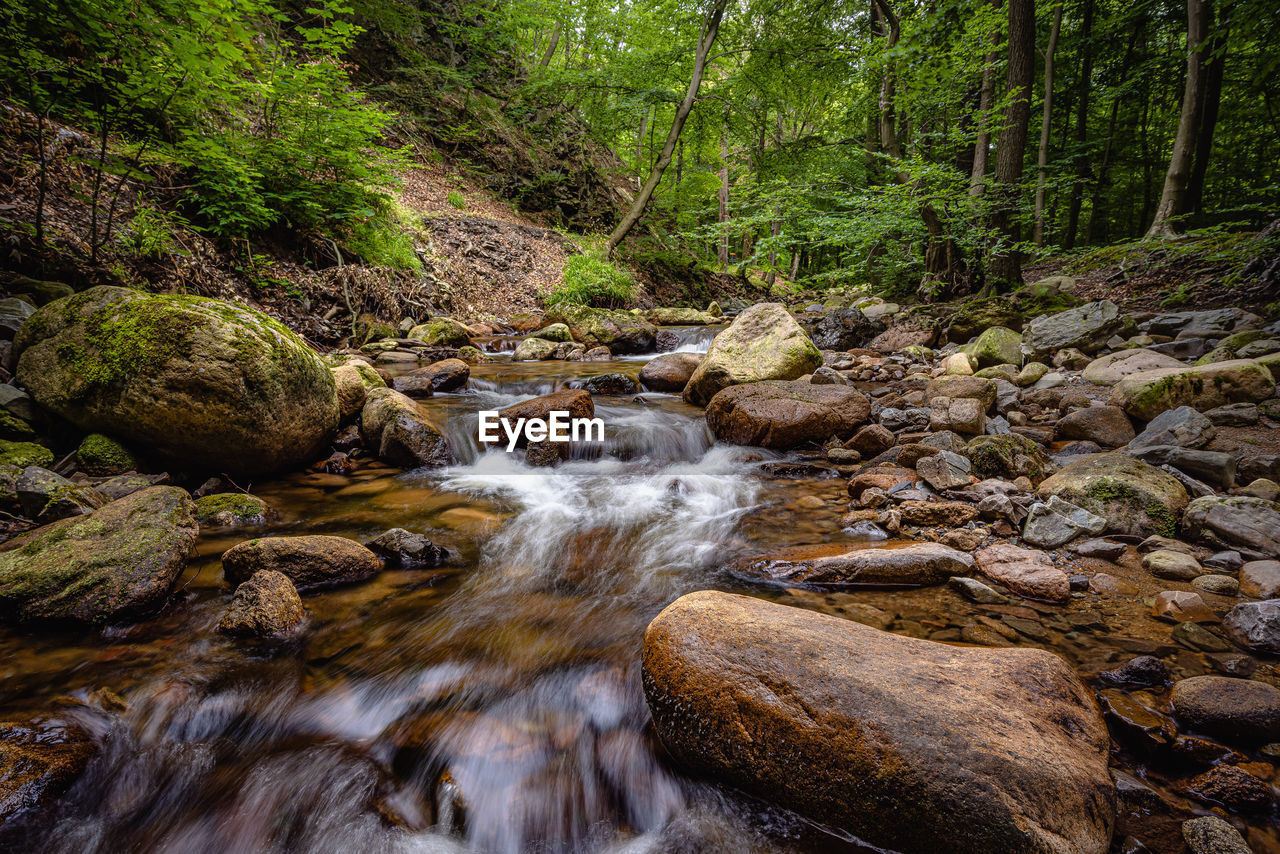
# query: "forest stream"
{"type": "Point", "coordinates": [494, 704]}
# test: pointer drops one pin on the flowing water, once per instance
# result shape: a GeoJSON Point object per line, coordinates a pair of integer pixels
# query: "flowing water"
{"type": "Point", "coordinates": [494, 704]}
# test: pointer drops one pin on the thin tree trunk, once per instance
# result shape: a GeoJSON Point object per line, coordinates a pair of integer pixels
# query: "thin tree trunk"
{"type": "Point", "coordinates": [551, 49]}
{"type": "Point", "coordinates": [1042, 160]}
{"type": "Point", "coordinates": [1173, 196]}
{"type": "Point", "coordinates": [1097, 218]}
{"type": "Point", "coordinates": [982, 147]}
{"type": "Point", "coordinates": [722, 195]}
{"type": "Point", "coordinates": [710, 29]}
{"type": "Point", "coordinates": [1006, 265]}
{"type": "Point", "coordinates": [644, 126]}
{"type": "Point", "coordinates": [1083, 169]}
{"type": "Point", "coordinates": [1216, 59]}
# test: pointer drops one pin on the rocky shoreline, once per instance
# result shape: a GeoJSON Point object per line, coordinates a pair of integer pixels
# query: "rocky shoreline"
{"type": "Point", "coordinates": [1049, 451]}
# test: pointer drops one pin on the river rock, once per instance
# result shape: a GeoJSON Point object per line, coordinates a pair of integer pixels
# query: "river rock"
{"type": "Point", "coordinates": [1238, 711]}
{"type": "Point", "coordinates": [1182, 606]}
{"type": "Point", "coordinates": [1213, 835]}
{"type": "Point", "coordinates": [1027, 572]}
{"type": "Point", "coordinates": [1009, 456]}
{"type": "Point", "coordinates": [311, 562]}
{"type": "Point", "coordinates": [1085, 328]}
{"type": "Point", "coordinates": [39, 761]}
{"type": "Point", "coordinates": [1255, 626]}
{"type": "Point", "coordinates": [975, 315]}
{"type": "Point", "coordinates": [918, 564]}
{"type": "Point", "coordinates": [533, 349]}
{"type": "Point", "coordinates": [266, 607]}
{"type": "Point", "coordinates": [762, 343]}
{"type": "Point", "coordinates": [1106, 425]}
{"type": "Point", "coordinates": [1215, 321]}
{"type": "Point", "coordinates": [46, 496]}
{"type": "Point", "coordinates": [872, 440]}
{"type": "Point", "coordinates": [557, 332]}
{"type": "Point", "coordinates": [116, 565]}
{"type": "Point", "coordinates": [402, 431]}
{"type": "Point", "coordinates": [620, 331]}
{"type": "Point", "coordinates": [205, 383]}
{"type": "Point", "coordinates": [944, 470]}
{"type": "Point", "coordinates": [1056, 522]}
{"type": "Point", "coordinates": [1171, 565]}
{"type": "Point", "coordinates": [937, 514]}
{"type": "Point", "coordinates": [608, 384]}
{"type": "Point", "coordinates": [910, 745]}
{"type": "Point", "coordinates": [445, 375]}
{"type": "Point", "coordinates": [576, 402]}
{"type": "Point", "coordinates": [350, 386]}
{"type": "Point", "coordinates": [442, 332]}
{"type": "Point", "coordinates": [996, 346]}
{"type": "Point", "coordinates": [1182, 427]}
{"type": "Point", "coordinates": [669, 372]}
{"type": "Point", "coordinates": [1134, 497]}
{"type": "Point", "coordinates": [231, 510]}
{"type": "Point", "coordinates": [1148, 393]}
{"type": "Point", "coordinates": [785, 415]}
{"type": "Point", "coordinates": [959, 414]}
{"type": "Point", "coordinates": [1260, 579]}
{"type": "Point", "coordinates": [406, 550]}
{"type": "Point", "coordinates": [955, 387]}
{"type": "Point", "coordinates": [1253, 523]}
{"type": "Point", "coordinates": [1213, 467]}
{"type": "Point", "coordinates": [1110, 369]}
{"type": "Point", "coordinates": [843, 329]}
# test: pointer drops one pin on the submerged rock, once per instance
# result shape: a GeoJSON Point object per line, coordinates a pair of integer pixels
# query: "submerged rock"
{"type": "Point", "coordinates": [910, 745]}
{"type": "Point", "coordinates": [785, 415]}
{"type": "Point", "coordinates": [914, 565]}
{"type": "Point", "coordinates": [1238, 711]}
{"type": "Point", "coordinates": [401, 548]}
{"type": "Point", "coordinates": [114, 566]}
{"type": "Point", "coordinates": [762, 343]}
{"type": "Point", "coordinates": [1027, 572]}
{"type": "Point", "coordinates": [39, 761]}
{"type": "Point", "coordinates": [266, 607]}
{"type": "Point", "coordinates": [205, 383]}
{"type": "Point", "coordinates": [311, 562]}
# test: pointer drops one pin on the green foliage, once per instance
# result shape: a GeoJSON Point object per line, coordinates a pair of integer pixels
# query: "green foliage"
{"type": "Point", "coordinates": [457, 200]}
{"type": "Point", "coordinates": [383, 240]}
{"type": "Point", "coordinates": [590, 280]}
{"type": "Point", "coordinates": [150, 234]}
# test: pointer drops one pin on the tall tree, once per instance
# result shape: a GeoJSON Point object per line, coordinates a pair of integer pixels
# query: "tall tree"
{"type": "Point", "coordinates": [1216, 48]}
{"type": "Point", "coordinates": [710, 29]}
{"type": "Point", "coordinates": [1006, 265]}
{"type": "Point", "coordinates": [1042, 159]}
{"type": "Point", "coordinates": [1173, 196]}
{"type": "Point", "coordinates": [1084, 169]}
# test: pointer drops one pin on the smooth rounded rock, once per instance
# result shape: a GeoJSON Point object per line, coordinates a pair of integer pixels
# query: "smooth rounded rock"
{"type": "Point", "coordinates": [310, 562]}
{"type": "Point", "coordinates": [785, 415]}
{"type": "Point", "coordinates": [1239, 711]}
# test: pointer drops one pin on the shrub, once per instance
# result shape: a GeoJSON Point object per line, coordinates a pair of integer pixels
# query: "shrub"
{"type": "Point", "coordinates": [589, 280]}
{"type": "Point", "coordinates": [150, 234]}
{"type": "Point", "coordinates": [457, 200]}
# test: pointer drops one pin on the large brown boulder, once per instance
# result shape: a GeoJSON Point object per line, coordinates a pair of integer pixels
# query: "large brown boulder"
{"type": "Point", "coordinates": [116, 565]}
{"type": "Point", "coordinates": [785, 415]}
{"type": "Point", "coordinates": [39, 760]}
{"type": "Point", "coordinates": [310, 562]}
{"type": "Point", "coordinates": [266, 607]}
{"type": "Point", "coordinates": [201, 382]}
{"type": "Point", "coordinates": [763, 343]}
{"type": "Point", "coordinates": [910, 745]}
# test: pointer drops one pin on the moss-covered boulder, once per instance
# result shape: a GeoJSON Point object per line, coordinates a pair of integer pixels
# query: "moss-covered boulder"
{"type": "Point", "coordinates": [14, 428]}
{"type": "Point", "coordinates": [620, 331]}
{"type": "Point", "coordinates": [763, 343]}
{"type": "Point", "coordinates": [996, 346]}
{"type": "Point", "coordinates": [534, 349]}
{"type": "Point", "coordinates": [975, 316]}
{"type": "Point", "coordinates": [556, 332]}
{"type": "Point", "coordinates": [23, 454]}
{"type": "Point", "coordinates": [1134, 497]}
{"type": "Point", "coordinates": [205, 383]}
{"type": "Point", "coordinates": [116, 565]}
{"type": "Point", "coordinates": [1148, 393]}
{"type": "Point", "coordinates": [676, 316]}
{"type": "Point", "coordinates": [442, 332]}
{"type": "Point", "coordinates": [102, 456]}
{"type": "Point", "coordinates": [231, 510]}
{"type": "Point", "coordinates": [1009, 456]}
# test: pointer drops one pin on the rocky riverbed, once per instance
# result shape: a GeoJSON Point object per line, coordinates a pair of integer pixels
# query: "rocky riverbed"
{"type": "Point", "coordinates": [840, 577]}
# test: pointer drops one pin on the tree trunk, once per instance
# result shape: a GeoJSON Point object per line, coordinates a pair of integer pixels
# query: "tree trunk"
{"type": "Point", "coordinates": [982, 147]}
{"type": "Point", "coordinates": [1006, 265]}
{"type": "Point", "coordinates": [1097, 218]}
{"type": "Point", "coordinates": [710, 29]}
{"type": "Point", "coordinates": [1083, 169]}
{"type": "Point", "coordinates": [1042, 160]}
{"type": "Point", "coordinates": [551, 49]}
{"type": "Point", "coordinates": [1216, 51]}
{"type": "Point", "coordinates": [722, 194]}
{"type": "Point", "coordinates": [1173, 196]}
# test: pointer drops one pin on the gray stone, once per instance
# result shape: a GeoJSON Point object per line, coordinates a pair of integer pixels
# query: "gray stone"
{"type": "Point", "coordinates": [1234, 415]}
{"type": "Point", "coordinates": [1183, 427]}
{"type": "Point", "coordinates": [1255, 626]}
{"type": "Point", "coordinates": [1213, 467]}
{"type": "Point", "coordinates": [46, 496]}
{"type": "Point", "coordinates": [1085, 327]}
{"type": "Point", "coordinates": [975, 591]}
{"type": "Point", "coordinates": [1241, 521]}
{"type": "Point", "coordinates": [1219, 320]}
{"type": "Point", "coordinates": [944, 470]}
{"type": "Point", "coordinates": [1260, 579]}
{"type": "Point", "coordinates": [1221, 585]}
{"type": "Point", "coordinates": [1212, 835]}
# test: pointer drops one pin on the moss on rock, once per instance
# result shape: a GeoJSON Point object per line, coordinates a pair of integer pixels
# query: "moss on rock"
{"type": "Point", "coordinates": [101, 455]}
{"type": "Point", "coordinates": [231, 510]}
{"type": "Point", "coordinates": [442, 332]}
{"type": "Point", "coordinates": [23, 454]}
